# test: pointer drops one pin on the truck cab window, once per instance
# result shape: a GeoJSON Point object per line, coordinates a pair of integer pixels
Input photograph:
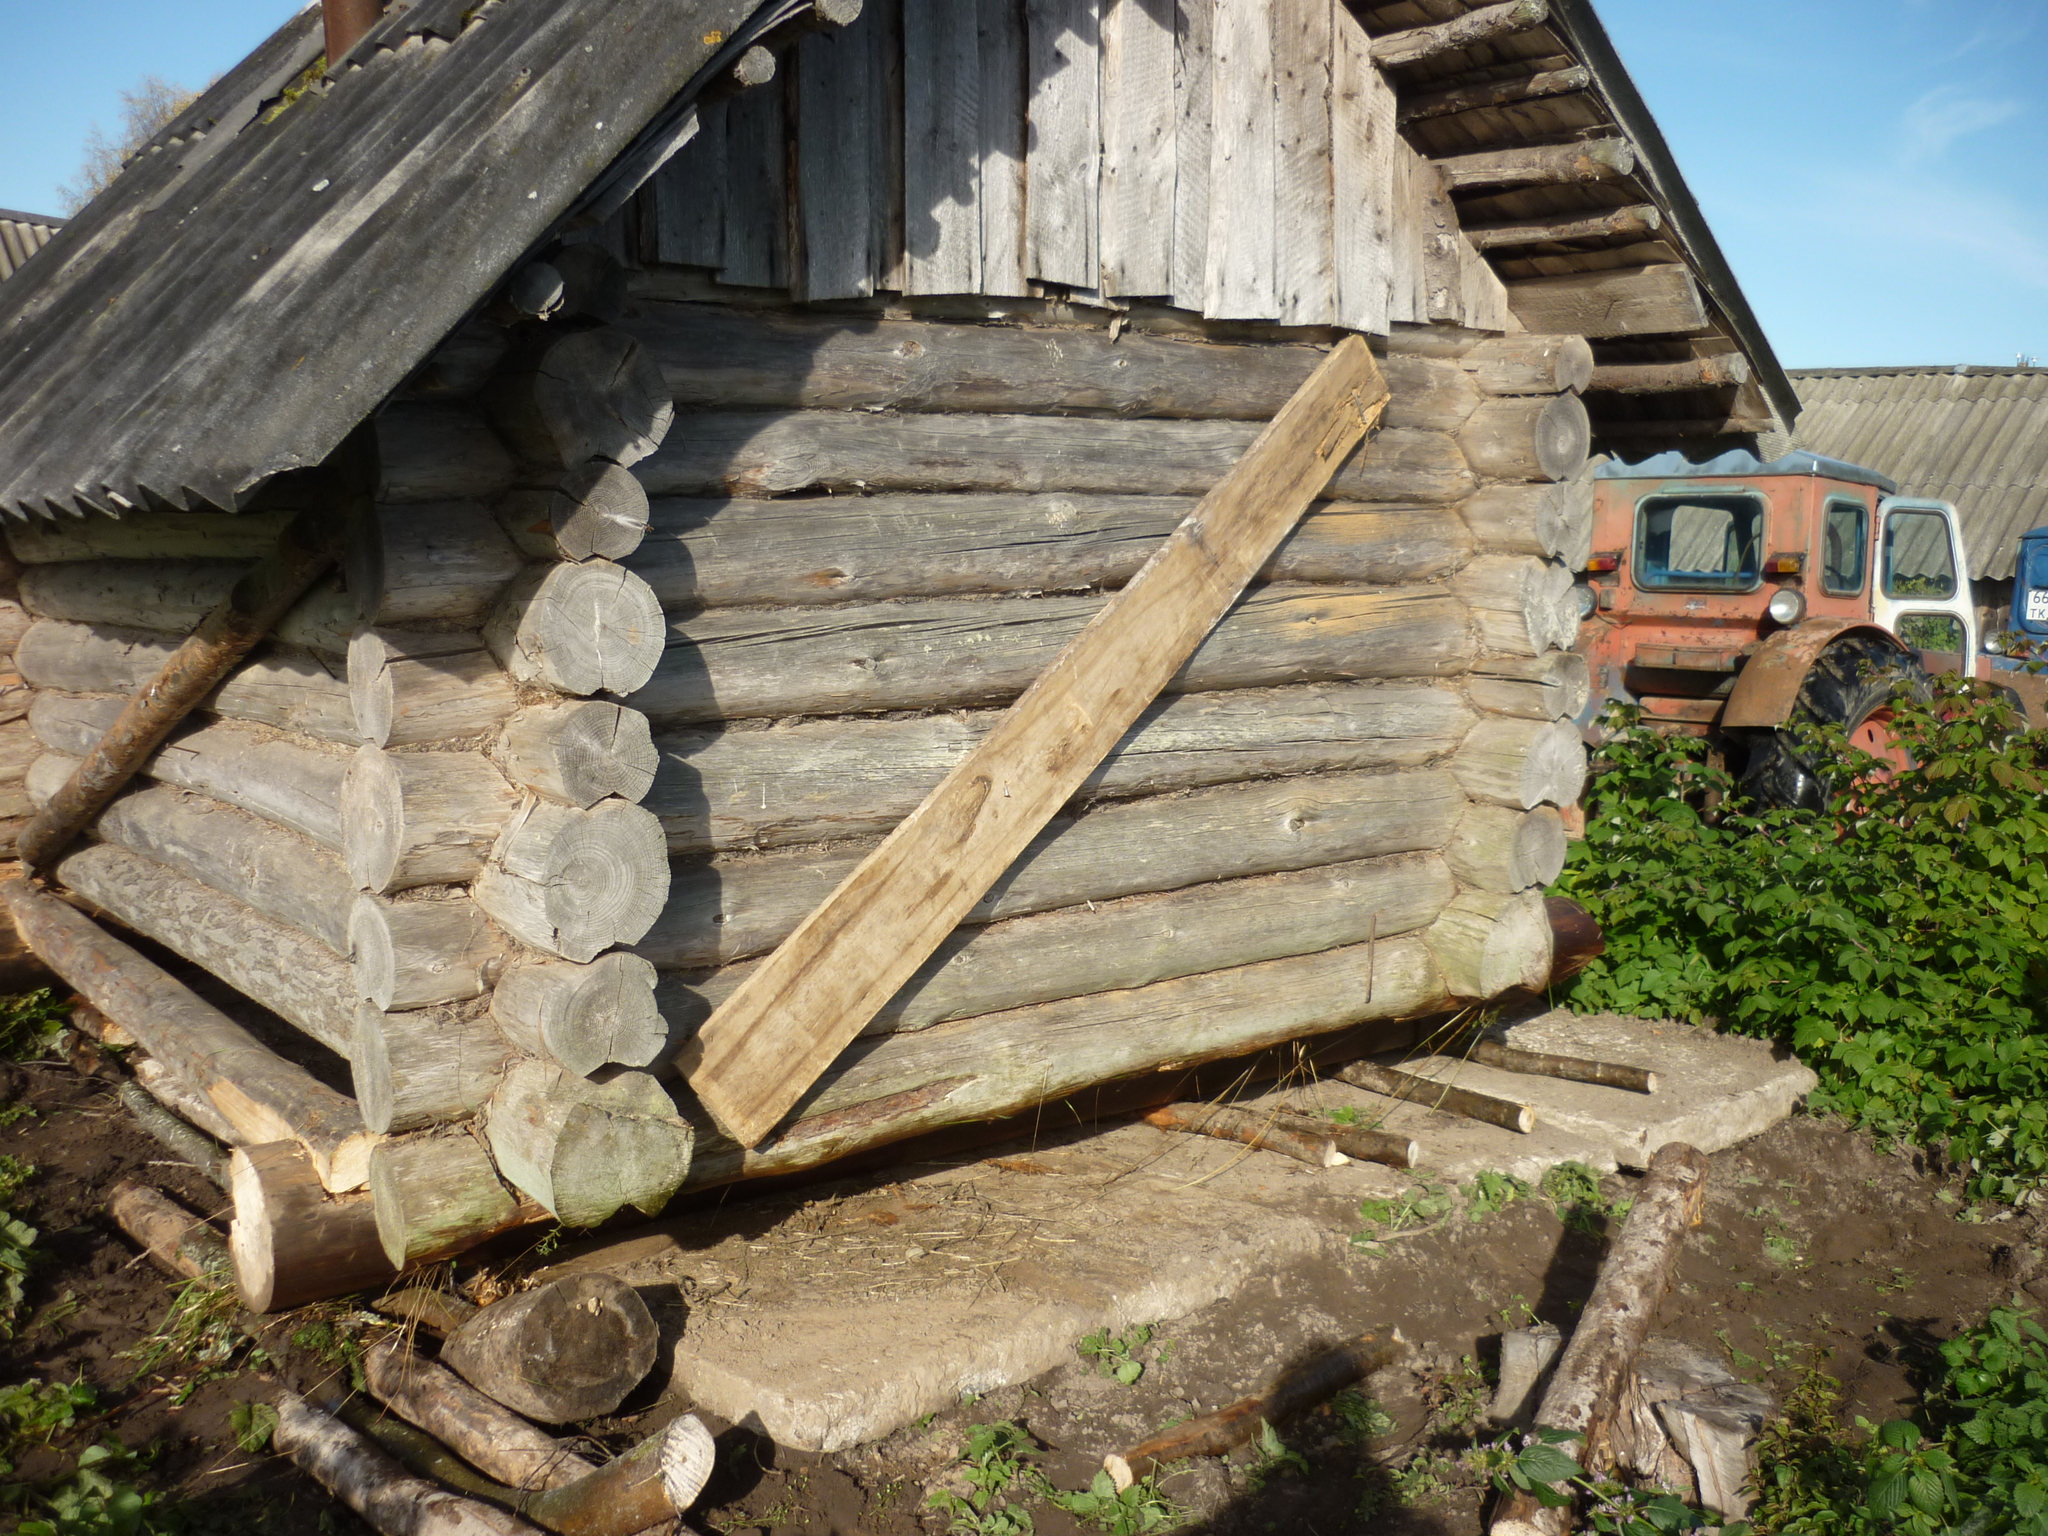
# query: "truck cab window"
{"type": "Point", "coordinates": [1845, 544]}
{"type": "Point", "coordinates": [1918, 561]}
{"type": "Point", "coordinates": [1699, 543]}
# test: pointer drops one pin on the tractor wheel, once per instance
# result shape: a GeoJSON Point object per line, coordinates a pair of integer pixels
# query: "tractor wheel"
{"type": "Point", "coordinates": [1850, 686]}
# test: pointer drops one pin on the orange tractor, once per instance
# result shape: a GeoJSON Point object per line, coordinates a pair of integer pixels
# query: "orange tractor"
{"type": "Point", "coordinates": [1735, 598]}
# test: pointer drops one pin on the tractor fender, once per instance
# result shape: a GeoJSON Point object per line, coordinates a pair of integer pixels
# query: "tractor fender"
{"type": "Point", "coordinates": [1768, 685]}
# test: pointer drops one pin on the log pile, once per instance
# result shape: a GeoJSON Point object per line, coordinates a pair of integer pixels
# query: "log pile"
{"type": "Point", "coordinates": [659, 626]}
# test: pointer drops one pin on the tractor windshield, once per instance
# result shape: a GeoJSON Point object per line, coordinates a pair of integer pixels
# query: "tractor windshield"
{"type": "Point", "coordinates": [1699, 543]}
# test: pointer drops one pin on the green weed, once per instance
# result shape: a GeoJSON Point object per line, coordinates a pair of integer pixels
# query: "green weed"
{"type": "Point", "coordinates": [33, 1411]}
{"type": "Point", "coordinates": [1897, 940]}
{"type": "Point", "coordinates": [1419, 1206]}
{"type": "Point", "coordinates": [30, 1024]}
{"type": "Point", "coordinates": [201, 1330]}
{"type": "Point", "coordinates": [1358, 1417]}
{"type": "Point", "coordinates": [1139, 1508]}
{"type": "Point", "coordinates": [1116, 1354]}
{"type": "Point", "coordinates": [1578, 1194]}
{"type": "Point", "coordinates": [1272, 1460]}
{"type": "Point", "coordinates": [997, 1461]}
{"type": "Point", "coordinates": [1492, 1192]}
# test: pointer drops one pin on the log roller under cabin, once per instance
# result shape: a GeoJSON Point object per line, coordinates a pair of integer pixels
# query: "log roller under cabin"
{"type": "Point", "coordinates": [848, 638]}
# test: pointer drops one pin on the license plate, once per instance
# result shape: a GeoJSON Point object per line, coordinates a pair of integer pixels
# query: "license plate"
{"type": "Point", "coordinates": [2037, 606]}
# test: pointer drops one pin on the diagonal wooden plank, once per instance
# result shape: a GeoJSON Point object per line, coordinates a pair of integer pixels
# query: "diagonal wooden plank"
{"type": "Point", "coordinates": [773, 1038]}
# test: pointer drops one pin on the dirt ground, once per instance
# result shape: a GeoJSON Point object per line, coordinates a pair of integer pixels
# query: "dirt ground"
{"type": "Point", "coordinates": [1818, 1248]}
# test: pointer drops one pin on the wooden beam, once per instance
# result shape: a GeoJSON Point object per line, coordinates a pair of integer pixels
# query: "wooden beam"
{"type": "Point", "coordinates": [1637, 220]}
{"type": "Point", "coordinates": [1625, 301]}
{"type": "Point", "coordinates": [1731, 426]}
{"type": "Point", "coordinates": [1539, 165]}
{"type": "Point", "coordinates": [1497, 93]}
{"type": "Point", "coordinates": [1726, 371]}
{"type": "Point", "coordinates": [761, 1052]}
{"type": "Point", "coordinates": [1418, 45]}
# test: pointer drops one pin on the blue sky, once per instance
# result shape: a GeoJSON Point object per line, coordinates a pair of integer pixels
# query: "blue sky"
{"type": "Point", "coordinates": [1876, 170]}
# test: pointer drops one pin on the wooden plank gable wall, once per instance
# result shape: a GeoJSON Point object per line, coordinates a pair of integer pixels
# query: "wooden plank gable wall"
{"type": "Point", "coordinates": [1236, 158]}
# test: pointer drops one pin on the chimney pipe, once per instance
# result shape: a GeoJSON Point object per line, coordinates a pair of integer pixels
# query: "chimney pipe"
{"type": "Point", "coordinates": [347, 21]}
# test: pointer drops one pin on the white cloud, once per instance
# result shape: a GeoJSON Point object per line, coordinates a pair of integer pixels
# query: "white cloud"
{"type": "Point", "coordinates": [1930, 125]}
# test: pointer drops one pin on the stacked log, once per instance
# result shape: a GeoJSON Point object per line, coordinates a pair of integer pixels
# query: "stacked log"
{"type": "Point", "coordinates": [17, 742]}
{"type": "Point", "coordinates": [601, 709]}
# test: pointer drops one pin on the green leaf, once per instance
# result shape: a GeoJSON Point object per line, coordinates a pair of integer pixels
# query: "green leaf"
{"type": "Point", "coordinates": [1546, 1464]}
{"type": "Point", "coordinates": [1129, 1372]}
{"type": "Point", "coordinates": [253, 1425]}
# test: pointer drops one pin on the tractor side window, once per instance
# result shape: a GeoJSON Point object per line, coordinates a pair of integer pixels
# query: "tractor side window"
{"type": "Point", "coordinates": [1845, 543]}
{"type": "Point", "coordinates": [1699, 543]}
{"type": "Point", "coordinates": [1932, 631]}
{"type": "Point", "coordinates": [1918, 561]}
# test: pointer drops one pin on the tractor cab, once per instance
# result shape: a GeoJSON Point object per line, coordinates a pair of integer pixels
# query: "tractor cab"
{"type": "Point", "coordinates": [2029, 605]}
{"type": "Point", "coordinates": [1724, 597]}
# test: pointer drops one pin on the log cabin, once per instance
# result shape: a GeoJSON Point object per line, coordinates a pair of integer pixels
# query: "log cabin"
{"type": "Point", "coordinates": [514, 510]}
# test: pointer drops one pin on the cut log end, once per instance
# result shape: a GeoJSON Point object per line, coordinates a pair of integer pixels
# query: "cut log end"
{"type": "Point", "coordinates": [566, 1351]}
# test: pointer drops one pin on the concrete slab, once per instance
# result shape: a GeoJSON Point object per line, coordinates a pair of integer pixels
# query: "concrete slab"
{"type": "Point", "coordinates": [830, 1321]}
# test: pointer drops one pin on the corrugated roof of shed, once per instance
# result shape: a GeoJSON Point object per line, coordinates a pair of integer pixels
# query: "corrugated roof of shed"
{"type": "Point", "coordinates": [1977, 437]}
{"type": "Point", "coordinates": [265, 271]}
{"type": "Point", "coordinates": [21, 236]}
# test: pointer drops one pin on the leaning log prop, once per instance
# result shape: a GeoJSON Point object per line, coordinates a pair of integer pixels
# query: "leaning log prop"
{"type": "Point", "coordinates": [390, 1500]}
{"type": "Point", "coordinates": [1584, 1396]}
{"type": "Point", "coordinates": [1221, 1432]}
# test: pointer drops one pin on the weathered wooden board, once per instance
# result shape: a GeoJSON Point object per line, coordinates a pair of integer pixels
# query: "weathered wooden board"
{"type": "Point", "coordinates": [1304, 250]}
{"type": "Point", "coordinates": [1135, 942]}
{"type": "Point", "coordinates": [1627, 301]}
{"type": "Point", "coordinates": [735, 664]}
{"type": "Point", "coordinates": [842, 147]}
{"type": "Point", "coordinates": [942, 146]}
{"type": "Point", "coordinates": [729, 908]}
{"type": "Point", "coordinates": [1193, 112]}
{"type": "Point", "coordinates": [776, 454]}
{"type": "Point", "coordinates": [756, 190]}
{"type": "Point", "coordinates": [895, 1087]}
{"type": "Point", "coordinates": [1362, 142]}
{"type": "Point", "coordinates": [1244, 208]}
{"type": "Point", "coordinates": [834, 549]}
{"type": "Point", "coordinates": [754, 1057]}
{"type": "Point", "coordinates": [1065, 163]}
{"type": "Point", "coordinates": [824, 780]}
{"type": "Point", "coordinates": [689, 196]}
{"type": "Point", "coordinates": [1138, 147]}
{"type": "Point", "coordinates": [1005, 137]}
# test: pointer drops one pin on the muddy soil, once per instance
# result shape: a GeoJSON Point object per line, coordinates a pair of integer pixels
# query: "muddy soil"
{"type": "Point", "coordinates": [1818, 1249]}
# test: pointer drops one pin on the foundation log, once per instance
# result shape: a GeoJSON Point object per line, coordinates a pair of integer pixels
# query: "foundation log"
{"type": "Point", "coordinates": [1638, 221]}
{"type": "Point", "coordinates": [586, 1151]}
{"type": "Point", "coordinates": [579, 752]}
{"type": "Point", "coordinates": [779, 454]}
{"type": "Point", "coordinates": [1547, 521]}
{"type": "Point", "coordinates": [1528, 439]}
{"type": "Point", "coordinates": [1522, 763]}
{"type": "Point", "coordinates": [291, 1241]}
{"type": "Point", "coordinates": [583, 1016]}
{"type": "Point", "coordinates": [579, 629]}
{"type": "Point", "coordinates": [429, 452]}
{"type": "Point", "coordinates": [414, 954]}
{"type": "Point", "coordinates": [592, 394]}
{"type": "Point", "coordinates": [436, 1195]}
{"type": "Point", "coordinates": [1554, 686]}
{"type": "Point", "coordinates": [168, 597]}
{"type": "Point", "coordinates": [816, 550]}
{"type": "Point", "coordinates": [596, 511]}
{"type": "Point", "coordinates": [566, 1351]}
{"type": "Point", "coordinates": [153, 536]}
{"type": "Point", "coordinates": [421, 818]}
{"type": "Point", "coordinates": [260, 865]}
{"type": "Point", "coordinates": [1003, 1064]}
{"type": "Point", "coordinates": [295, 977]}
{"type": "Point", "coordinates": [1723, 372]}
{"type": "Point", "coordinates": [262, 1096]}
{"type": "Point", "coordinates": [1487, 943]}
{"type": "Point", "coordinates": [733, 909]}
{"type": "Point", "coordinates": [730, 665]}
{"type": "Point", "coordinates": [1076, 951]}
{"type": "Point", "coordinates": [424, 1067]}
{"type": "Point", "coordinates": [815, 781]}
{"type": "Point", "coordinates": [411, 687]}
{"type": "Point", "coordinates": [575, 882]}
{"type": "Point", "coordinates": [295, 786]}
{"type": "Point", "coordinates": [484, 1433]}
{"type": "Point", "coordinates": [1520, 605]}
{"type": "Point", "coordinates": [390, 1500]}
{"type": "Point", "coordinates": [1495, 93]}
{"type": "Point", "coordinates": [291, 689]}
{"type": "Point", "coordinates": [1497, 849]}
{"type": "Point", "coordinates": [182, 1099]}
{"type": "Point", "coordinates": [1539, 165]}
{"type": "Point", "coordinates": [1658, 299]}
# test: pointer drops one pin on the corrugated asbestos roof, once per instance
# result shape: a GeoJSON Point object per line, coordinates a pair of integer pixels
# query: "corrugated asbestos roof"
{"type": "Point", "coordinates": [21, 236]}
{"type": "Point", "coordinates": [268, 269]}
{"type": "Point", "coordinates": [1977, 437]}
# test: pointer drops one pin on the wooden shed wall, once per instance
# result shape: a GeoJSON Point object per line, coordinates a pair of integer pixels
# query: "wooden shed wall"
{"type": "Point", "coordinates": [1236, 158]}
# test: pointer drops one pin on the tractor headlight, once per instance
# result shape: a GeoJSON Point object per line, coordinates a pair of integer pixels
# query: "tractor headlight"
{"type": "Point", "coordinates": [1588, 600]}
{"type": "Point", "coordinates": [1786, 607]}
{"type": "Point", "coordinates": [1994, 645]}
